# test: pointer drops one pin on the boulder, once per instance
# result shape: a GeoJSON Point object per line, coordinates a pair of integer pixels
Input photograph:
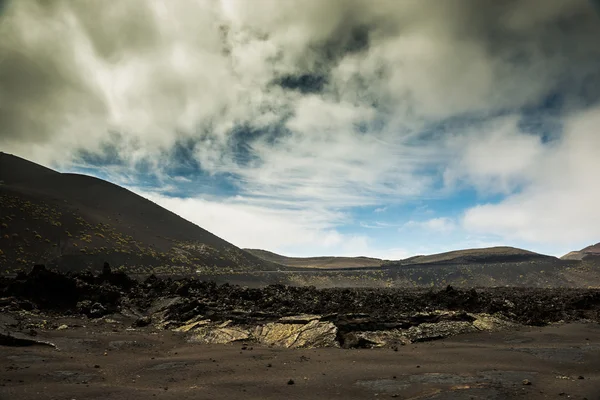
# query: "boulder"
{"type": "Point", "coordinates": [313, 334]}
{"type": "Point", "coordinates": [487, 322]}
{"type": "Point", "coordinates": [97, 310]}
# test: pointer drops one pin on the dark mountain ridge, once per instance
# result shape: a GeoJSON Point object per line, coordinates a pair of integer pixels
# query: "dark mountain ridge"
{"type": "Point", "coordinates": [74, 221]}
{"type": "Point", "coordinates": [322, 262]}
{"type": "Point", "coordinates": [589, 252]}
{"type": "Point", "coordinates": [483, 267]}
{"type": "Point", "coordinates": [486, 255]}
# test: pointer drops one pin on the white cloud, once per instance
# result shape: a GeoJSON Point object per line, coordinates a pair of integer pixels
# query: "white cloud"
{"type": "Point", "coordinates": [439, 225]}
{"type": "Point", "coordinates": [290, 232]}
{"type": "Point", "coordinates": [497, 158]}
{"type": "Point", "coordinates": [560, 204]}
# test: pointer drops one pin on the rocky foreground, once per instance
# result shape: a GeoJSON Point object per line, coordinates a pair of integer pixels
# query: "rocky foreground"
{"type": "Point", "coordinates": [285, 316]}
{"type": "Point", "coordinates": [84, 336]}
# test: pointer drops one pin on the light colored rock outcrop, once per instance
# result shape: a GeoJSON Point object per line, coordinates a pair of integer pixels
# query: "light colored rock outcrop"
{"type": "Point", "coordinates": [375, 339]}
{"type": "Point", "coordinates": [219, 335]}
{"type": "Point", "coordinates": [313, 334]}
{"type": "Point", "coordinates": [487, 322]}
{"type": "Point", "coordinates": [309, 331]}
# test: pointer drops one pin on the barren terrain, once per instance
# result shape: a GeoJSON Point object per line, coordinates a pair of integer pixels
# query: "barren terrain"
{"type": "Point", "coordinates": [182, 313]}
{"type": "Point", "coordinates": [110, 337]}
{"type": "Point", "coordinates": [103, 360]}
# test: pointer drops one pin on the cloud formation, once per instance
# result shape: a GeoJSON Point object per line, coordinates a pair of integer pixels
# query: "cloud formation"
{"type": "Point", "coordinates": [436, 225]}
{"type": "Point", "coordinates": [559, 205]}
{"type": "Point", "coordinates": [314, 107]}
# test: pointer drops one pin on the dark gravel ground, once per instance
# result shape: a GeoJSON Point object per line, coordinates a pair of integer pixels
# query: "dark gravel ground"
{"type": "Point", "coordinates": [100, 359]}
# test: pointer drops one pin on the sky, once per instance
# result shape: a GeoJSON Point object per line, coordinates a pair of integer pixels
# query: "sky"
{"type": "Point", "coordinates": [382, 128]}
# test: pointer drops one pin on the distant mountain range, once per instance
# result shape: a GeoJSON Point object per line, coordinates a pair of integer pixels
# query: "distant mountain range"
{"type": "Point", "coordinates": [317, 262]}
{"type": "Point", "coordinates": [488, 255]}
{"type": "Point", "coordinates": [492, 266]}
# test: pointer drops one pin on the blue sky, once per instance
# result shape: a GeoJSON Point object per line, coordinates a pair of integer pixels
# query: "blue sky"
{"type": "Point", "coordinates": [310, 127]}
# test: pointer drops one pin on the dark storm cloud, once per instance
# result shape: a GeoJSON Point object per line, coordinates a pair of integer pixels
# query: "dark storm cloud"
{"type": "Point", "coordinates": [347, 38]}
{"type": "Point", "coordinates": [115, 33]}
{"type": "Point", "coordinates": [39, 85]}
{"type": "Point", "coordinates": [44, 82]}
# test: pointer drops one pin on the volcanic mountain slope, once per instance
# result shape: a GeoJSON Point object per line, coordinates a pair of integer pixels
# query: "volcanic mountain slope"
{"type": "Point", "coordinates": [75, 221]}
{"type": "Point", "coordinates": [493, 266]}
{"type": "Point", "coordinates": [488, 255]}
{"type": "Point", "coordinates": [501, 254]}
{"type": "Point", "coordinates": [590, 251]}
{"type": "Point", "coordinates": [317, 262]}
